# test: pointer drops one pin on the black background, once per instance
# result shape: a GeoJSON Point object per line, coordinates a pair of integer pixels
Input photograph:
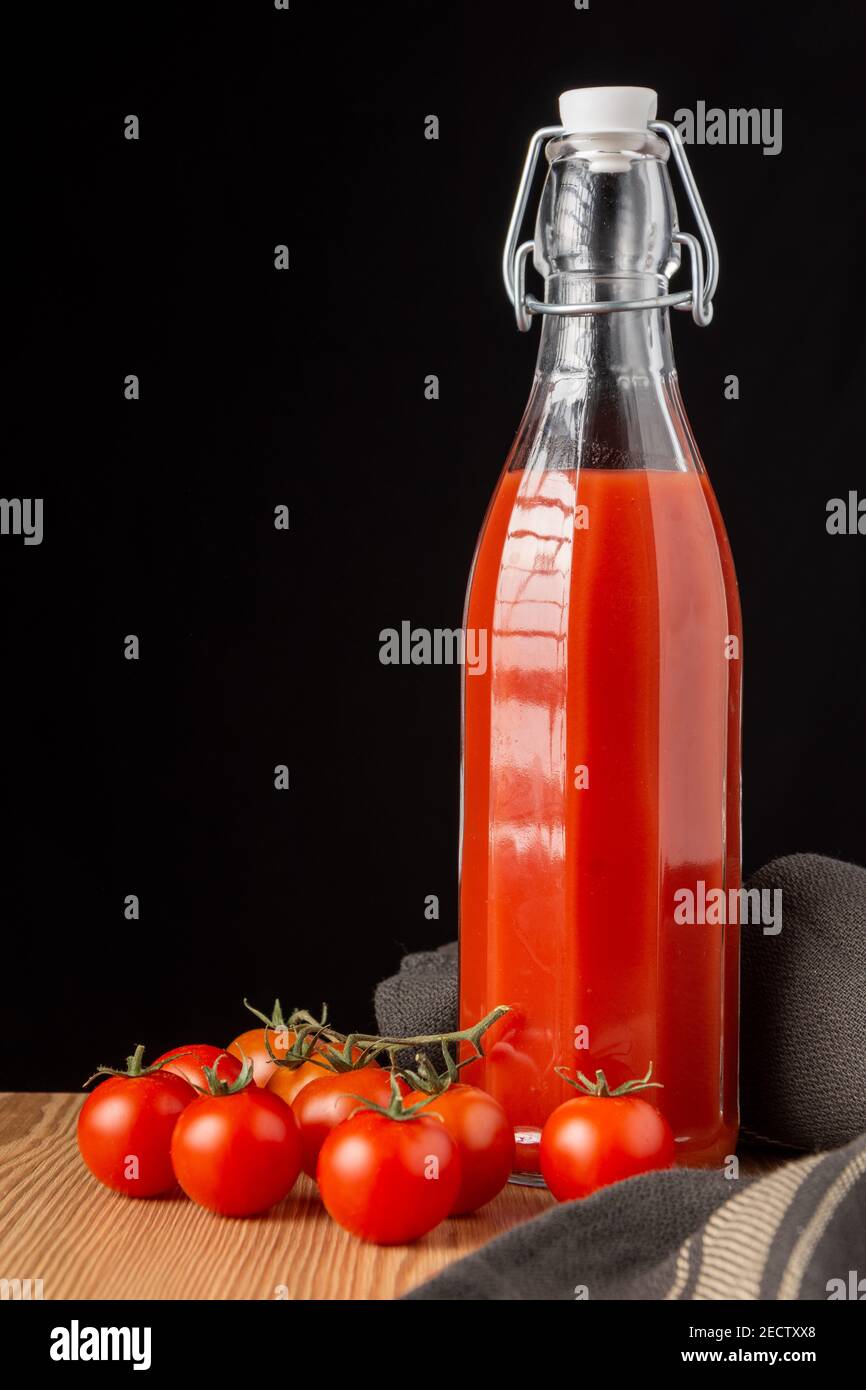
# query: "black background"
{"type": "Point", "coordinates": [305, 387]}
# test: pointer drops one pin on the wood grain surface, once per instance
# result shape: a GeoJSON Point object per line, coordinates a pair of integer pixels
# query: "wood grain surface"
{"type": "Point", "coordinates": [59, 1225]}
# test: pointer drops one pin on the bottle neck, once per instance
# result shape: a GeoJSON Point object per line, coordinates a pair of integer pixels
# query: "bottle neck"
{"type": "Point", "coordinates": [622, 345]}
{"type": "Point", "coordinates": [606, 391]}
{"type": "Point", "coordinates": [605, 231]}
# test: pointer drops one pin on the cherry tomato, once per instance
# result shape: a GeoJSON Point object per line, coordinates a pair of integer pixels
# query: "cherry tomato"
{"type": "Point", "coordinates": [125, 1129]}
{"type": "Point", "coordinates": [252, 1044]}
{"type": "Point", "coordinates": [591, 1141]}
{"type": "Point", "coordinates": [198, 1055]}
{"type": "Point", "coordinates": [323, 1104]}
{"type": "Point", "coordinates": [389, 1181]}
{"type": "Point", "coordinates": [483, 1134]}
{"type": "Point", "coordinates": [237, 1154]}
{"type": "Point", "coordinates": [288, 1082]}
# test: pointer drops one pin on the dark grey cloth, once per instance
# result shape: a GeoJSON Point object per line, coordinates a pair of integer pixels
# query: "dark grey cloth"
{"type": "Point", "coordinates": [803, 1014]}
{"type": "Point", "coordinates": [798, 1233]}
{"type": "Point", "coordinates": [803, 1010]}
{"type": "Point", "coordinates": [421, 997]}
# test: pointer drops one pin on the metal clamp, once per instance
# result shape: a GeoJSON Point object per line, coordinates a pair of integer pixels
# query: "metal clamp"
{"type": "Point", "coordinates": [699, 298]}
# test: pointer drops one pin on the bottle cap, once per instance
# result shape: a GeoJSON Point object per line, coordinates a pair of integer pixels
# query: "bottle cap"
{"type": "Point", "coordinates": [594, 110]}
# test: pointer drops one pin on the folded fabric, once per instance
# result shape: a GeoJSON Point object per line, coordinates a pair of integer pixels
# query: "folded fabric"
{"type": "Point", "coordinates": [803, 1013]}
{"type": "Point", "coordinates": [803, 1007]}
{"type": "Point", "coordinates": [422, 997]}
{"type": "Point", "coordinates": [798, 1233]}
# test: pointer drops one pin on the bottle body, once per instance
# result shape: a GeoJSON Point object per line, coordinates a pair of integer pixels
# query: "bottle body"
{"type": "Point", "coordinates": [601, 746]}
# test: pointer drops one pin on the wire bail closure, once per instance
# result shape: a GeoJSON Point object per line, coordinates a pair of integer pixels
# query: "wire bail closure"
{"type": "Point", "coordinates": [703, 254]}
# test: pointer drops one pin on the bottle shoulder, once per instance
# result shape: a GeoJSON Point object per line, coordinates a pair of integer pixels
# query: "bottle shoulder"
{"type": "Point", "coordinates": [627, 420]}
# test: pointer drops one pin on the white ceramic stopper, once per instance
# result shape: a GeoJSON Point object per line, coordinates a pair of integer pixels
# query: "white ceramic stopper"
{"type": "Point", "coordinates": [595, 110]}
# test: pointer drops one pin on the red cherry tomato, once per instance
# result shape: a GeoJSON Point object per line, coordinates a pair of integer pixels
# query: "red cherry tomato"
{"type": "Point", "coordinates": [262, 1045]}
{"type": "Point", "coordinates": [197, 1055]}
{"type": "Point", "coordinates": [483, 1134]}
{"type": "Point", "coordinates": [389, 1181]}
{"type": "Point", "coordinates": [252, 1045]}
{"type": "Point", "coordinates": [591, 1141]}
{"type": "Point", "coordinates": [288, 1082]}
{"type": "Point", "coordinates": [125, 1129]}
{"type": "Point", "coordinates": [237, 1154]}
{"type": "Point", "coordinates": [323, 1104]}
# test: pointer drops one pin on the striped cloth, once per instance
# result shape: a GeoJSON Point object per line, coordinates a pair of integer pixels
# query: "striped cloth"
{"type": "Point", "coordinates": [798, 1233]}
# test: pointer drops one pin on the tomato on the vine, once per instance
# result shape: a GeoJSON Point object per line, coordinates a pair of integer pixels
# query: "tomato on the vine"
{"type": "Point", "coordinates": [287, 1082]}
{"type": "Point", "coordinates": [389, 1180]}
{"type": "Point", "coordinates": [126, 1125]}
{"type": "Point", "coordinates": [484, 1137]}
{"type": "Point", "coordinates": [251, 1043]}
{"type": "Point", "coordinates": [188, 1062]}
{"type": "Point", "coordinates": [330, 1099]}
{"type": "Point", "coordinates": [602, 1137]}
{"type": "Point", "coordinates": [237, 1151]}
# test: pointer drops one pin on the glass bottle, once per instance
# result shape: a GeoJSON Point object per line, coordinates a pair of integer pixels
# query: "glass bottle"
{"type": "Point", "coordinates": [601, 739]}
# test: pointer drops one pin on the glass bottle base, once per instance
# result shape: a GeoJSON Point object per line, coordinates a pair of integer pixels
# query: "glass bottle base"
{"type": "Point", "coordinates": [527, 1166]}
{"type": "Point", "coordinates": [527, 1180]}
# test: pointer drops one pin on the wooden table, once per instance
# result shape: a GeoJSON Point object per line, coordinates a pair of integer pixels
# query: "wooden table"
{"type": "Point", "coordinates": [59, 1225]}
